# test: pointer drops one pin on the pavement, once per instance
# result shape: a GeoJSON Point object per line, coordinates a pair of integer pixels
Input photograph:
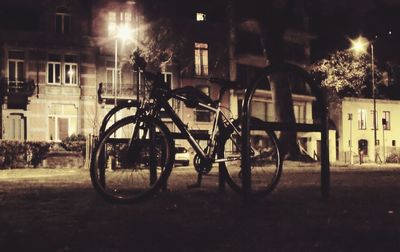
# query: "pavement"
{"type": "Point", "coordinates": [58, 210]}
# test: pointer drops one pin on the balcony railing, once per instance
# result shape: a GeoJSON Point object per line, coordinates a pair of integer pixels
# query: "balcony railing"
{"type": "Point", "coordinates": [17, 87]}
{"type": "Point", "coordinates": [123, 91]}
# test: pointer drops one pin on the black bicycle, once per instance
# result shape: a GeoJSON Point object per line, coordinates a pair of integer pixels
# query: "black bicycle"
{"type": "Point", "coordinates": [134, 157]}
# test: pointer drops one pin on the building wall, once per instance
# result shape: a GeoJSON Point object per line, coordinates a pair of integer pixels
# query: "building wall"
{"type": "Point", "coordinates": [352, 132]}
{"type": "Point", "coordinates": [68, 106]}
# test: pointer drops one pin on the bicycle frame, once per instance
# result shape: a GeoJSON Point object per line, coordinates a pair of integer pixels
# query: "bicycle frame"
{"type": "Point", "coordinates": [162, 103]}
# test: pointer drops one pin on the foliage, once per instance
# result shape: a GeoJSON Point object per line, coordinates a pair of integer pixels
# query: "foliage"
{"type": "Point", "coordinates": [76, 143]}
{"type": "Point", "coordinates": [393, 158]}
{"type": "Point", "coordinates": [21, 154]}
{"type": "Point", "coordinates": [345, 72]}
{"type": "Point", "coordinates": [38, 151]}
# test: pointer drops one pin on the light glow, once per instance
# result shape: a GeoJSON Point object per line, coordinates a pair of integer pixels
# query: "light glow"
{"type": "Point", "coordinates": [359, 45]}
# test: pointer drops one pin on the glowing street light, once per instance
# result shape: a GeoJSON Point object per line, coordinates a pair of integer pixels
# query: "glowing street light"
{"type": "Point", "coordinates": [360, 45]}
{"type": "Point", "coordinates": [122, 32]}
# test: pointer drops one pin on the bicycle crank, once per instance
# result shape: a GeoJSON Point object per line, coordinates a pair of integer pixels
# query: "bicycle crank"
{"type": "Point", "coordinates": [202, 165]}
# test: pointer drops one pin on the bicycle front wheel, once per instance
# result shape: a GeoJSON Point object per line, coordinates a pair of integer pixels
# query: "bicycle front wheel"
{"type": "Point", "coordinates": [133, 159]}
{"type": "Point", "coordinates": [266, 161]}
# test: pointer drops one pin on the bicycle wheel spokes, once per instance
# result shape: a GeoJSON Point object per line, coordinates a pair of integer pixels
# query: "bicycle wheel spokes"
{"type": "Point", "coordinates": [132, 160]}
{"type": "Point", "coordinates": [265, 161]}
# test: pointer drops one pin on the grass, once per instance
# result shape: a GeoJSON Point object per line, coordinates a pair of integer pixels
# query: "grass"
{"type": "Point", "coordinates": [57, 210]}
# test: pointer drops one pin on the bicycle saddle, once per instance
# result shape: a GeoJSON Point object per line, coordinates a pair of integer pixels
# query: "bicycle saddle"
{"type": "Point", "coordinates": [227, 83]}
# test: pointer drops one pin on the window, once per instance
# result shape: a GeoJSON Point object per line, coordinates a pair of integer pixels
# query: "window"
{"type": "Point", "coordinates": [70, 73]}
{"type": "Point", "coordinates": [201, 59]}
{"type": "Point", "coordinates": [54, 72]}
{"type": "Point", "coordinates": [259, 110]}
{"type": "Point", "coordinates": [299, 113]}
{"type": "Point", "coordinates": [200, 114]}
{"type": "Point", "coordinates": [16, 71]}
{"type": "Point", "coordinates": [63, 21]}
{"type": "Point", "coordinates": [62, 121]}
{"type": "Point", "coordinates": [116, 19]}
{"type": "Point", "coordinates": [200, 17]}
{"type": "Point", "coordinates": [386, 120]}
{"type": "Point", "coordinates": [168, 79]}
{"type": "Point", "coordinates": [111, 76]}
{"type": "Point", "coordinates": [393, 143]}
{"type": "Point", "coordinates": [376, 119]}
{"type": "Point", "coordinates": [15, 127]}
{"type": "Point", "coordinates": [66, 70]}
{"type": "Point", "coordinates": [362, 119]}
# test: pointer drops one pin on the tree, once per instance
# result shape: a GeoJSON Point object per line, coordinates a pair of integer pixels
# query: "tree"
{"type": "Point", "coordinates": [346, 73]}
{"type": "Point", "coordinates": [272, 20]}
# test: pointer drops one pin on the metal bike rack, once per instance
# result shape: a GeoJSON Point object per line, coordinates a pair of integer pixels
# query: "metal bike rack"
{"type": "Point", "coordinates": [321, 126]}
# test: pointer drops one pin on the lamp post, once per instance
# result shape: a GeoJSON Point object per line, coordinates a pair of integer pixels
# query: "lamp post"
{"type": "Point", "coordinates": [350, 117]}
{"type": "Point", "coordinates": [122, 32]}
{"type": "Point", "coordinates": [360, 45]}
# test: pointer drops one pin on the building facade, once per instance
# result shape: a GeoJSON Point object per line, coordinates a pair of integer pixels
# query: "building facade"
{"type": "Point", "coordinates": [356, 130]}
{"type": "Point", "coordinates": [63, 67]}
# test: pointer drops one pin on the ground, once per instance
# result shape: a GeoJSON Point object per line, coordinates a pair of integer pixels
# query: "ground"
{"type": "Point", "coordinates": [57, 210]}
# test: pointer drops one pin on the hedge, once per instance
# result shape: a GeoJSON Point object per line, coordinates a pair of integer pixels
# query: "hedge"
{"type": "Point", "coordinates": [22, 154]}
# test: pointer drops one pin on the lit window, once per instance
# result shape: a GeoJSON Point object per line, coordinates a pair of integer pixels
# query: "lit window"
{"type": "Point", "coordinates": [362, 119]}
{"type": "Point", "coordinates": [112, 22]}
{"type": "Point", "coordinates": [70, 73]}
{"type": "Point", "coordinates": [200, 17]}
{"type": "Point", "coordinates": [112, 87]}
{"type": "Point", "coordinates": [201, 59]}
{"type": "Point", "coordinates": [376, 119]}
{"type": "Point", "coordinates": [118, 19]}
{"type": "Point", "coordinates": [62, 121]}
{"type": "Point", "coordinates": [299, 114]}
{"type": "Point", "coordinates": [259, 110]}
{"type": "Point", "coordinates": [386, 120]}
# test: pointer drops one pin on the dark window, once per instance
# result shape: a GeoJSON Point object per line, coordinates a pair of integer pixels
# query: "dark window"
{"type": "Point", "coordinates": [63, 21]}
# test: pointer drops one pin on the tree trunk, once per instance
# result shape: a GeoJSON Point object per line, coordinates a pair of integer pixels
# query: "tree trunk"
{"type": "Point", "coordinates": [273, 26]}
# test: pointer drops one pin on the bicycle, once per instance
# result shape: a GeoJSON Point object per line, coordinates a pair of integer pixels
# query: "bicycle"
{"type": "Point", "coordinates": [134, 157]}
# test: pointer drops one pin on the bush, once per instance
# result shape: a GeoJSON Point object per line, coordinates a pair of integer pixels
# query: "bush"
{"type": "Point", "coordinates": [22, 154]}
{"type": "Point", "coordinates": [75, 143]}
{"type": "Point", "coordinates": [393, 158]}
{"type": "Point", "coordinates": [38, 151]}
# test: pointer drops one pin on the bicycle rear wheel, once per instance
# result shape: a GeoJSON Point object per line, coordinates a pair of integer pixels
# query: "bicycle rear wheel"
{"type": "Point", "coordinates": [266, 161]}
{"type": "Point", "coordinates": [133, 159]}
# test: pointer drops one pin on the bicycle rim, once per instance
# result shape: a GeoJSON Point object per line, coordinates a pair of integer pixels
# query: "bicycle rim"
{"type": "Point", "coordinates": [132, 160]}
{"type": "Point", "coordinates": [266, 162]}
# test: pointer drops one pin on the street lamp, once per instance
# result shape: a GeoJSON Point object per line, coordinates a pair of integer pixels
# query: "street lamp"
{"type": "Point", "coordinates": [123, 32]}
{"type": "Point", "coordinates": [359, 46]}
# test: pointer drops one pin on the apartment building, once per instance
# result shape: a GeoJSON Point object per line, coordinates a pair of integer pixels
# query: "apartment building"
{"type": "Point", "coordinates": [63, 66]}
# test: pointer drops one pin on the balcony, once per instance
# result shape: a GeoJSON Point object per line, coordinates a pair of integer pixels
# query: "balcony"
{"type": "Point", "coordinates": [15, 93]}
{"type": "Point", "coordinates": [17, 87]}
{"type": "Point", "coordinates": [123, 92]}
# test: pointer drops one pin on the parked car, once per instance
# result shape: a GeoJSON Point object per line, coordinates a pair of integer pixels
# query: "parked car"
{"type": "Point", "coordinates": [182, 156]}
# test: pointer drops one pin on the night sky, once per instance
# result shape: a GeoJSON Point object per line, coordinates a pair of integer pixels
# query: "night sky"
{"type": "Point", "coordinates": [378, 21]}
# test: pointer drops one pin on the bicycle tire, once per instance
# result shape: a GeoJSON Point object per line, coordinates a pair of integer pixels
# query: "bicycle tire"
{"type": "Point", "coordinates": [266, 166]}
{"type": "Point", "coordinates": [121, 170]}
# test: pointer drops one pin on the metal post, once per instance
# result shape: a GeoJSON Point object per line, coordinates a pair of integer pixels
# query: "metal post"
{"type": "Point", "coordinates": [351, 140]}
{"type": "Point", "coordinates": [115, 76]}
{"type": "Point", "coordinates": [383, 139]}
{"type": "Point", "coordinates": [374, 98]}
